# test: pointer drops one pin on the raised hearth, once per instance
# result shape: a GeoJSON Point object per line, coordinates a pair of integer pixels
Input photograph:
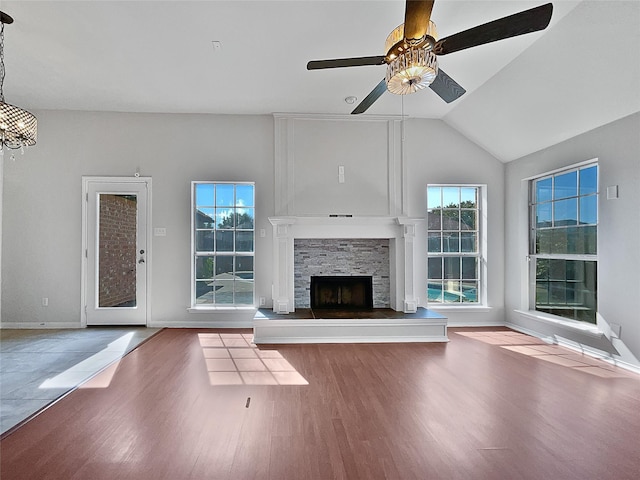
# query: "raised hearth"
{"type": "Point", "coordinates": [377, 325]}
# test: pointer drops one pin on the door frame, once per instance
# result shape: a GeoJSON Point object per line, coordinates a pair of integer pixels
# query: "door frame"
{"type": "Point", "coordinates": [86, 180]}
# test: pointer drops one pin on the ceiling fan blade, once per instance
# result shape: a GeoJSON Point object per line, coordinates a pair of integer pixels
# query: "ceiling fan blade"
{"type": "Point", "coordinates": [446, 87]}
{"type": "Point", "coordinates": [518, 24]}
{"type": "Point", "coordinates": [416, 19]}
{"type": "Point", "coordinates": [345, 62]}
{"type": "Point", "coordinates": [372, 97]}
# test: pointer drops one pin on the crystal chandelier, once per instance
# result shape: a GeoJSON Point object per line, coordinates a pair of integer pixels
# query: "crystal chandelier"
{"type": "Point", "coordinates": [410, 67]}
{"type": "Point", "coordinates": [18, 128]}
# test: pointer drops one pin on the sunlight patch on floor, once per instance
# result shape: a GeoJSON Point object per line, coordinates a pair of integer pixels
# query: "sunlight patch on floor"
{"type": "Point", "coordinates": [232, 359]}
{"type": "Point", "coordinates": [534, 347]}
{"type": "Point", "coordinates": [80, 371]}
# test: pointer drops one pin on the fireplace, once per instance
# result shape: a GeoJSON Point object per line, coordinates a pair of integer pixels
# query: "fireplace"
{"type": "Point", "coordinates": [344, 292]}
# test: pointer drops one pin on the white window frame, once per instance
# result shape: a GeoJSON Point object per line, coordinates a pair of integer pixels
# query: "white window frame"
{"type": "Point", "coordinates": [532, 256]}
{"type": "Point", "coordinates": [195, 307]}
{"type": "Point", "coordinates": [481, 255]}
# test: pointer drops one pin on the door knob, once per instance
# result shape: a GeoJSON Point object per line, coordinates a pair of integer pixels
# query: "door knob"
{"type": "Point", "coordinates": [141, 260]}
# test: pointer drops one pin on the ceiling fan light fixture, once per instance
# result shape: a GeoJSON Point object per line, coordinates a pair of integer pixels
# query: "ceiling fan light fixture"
{"type": "Point", "coordinates": [412, 70]}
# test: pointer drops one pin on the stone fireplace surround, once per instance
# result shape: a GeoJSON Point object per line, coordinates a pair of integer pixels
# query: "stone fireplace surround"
{"type": "Point", "coordinates": [398, 231]}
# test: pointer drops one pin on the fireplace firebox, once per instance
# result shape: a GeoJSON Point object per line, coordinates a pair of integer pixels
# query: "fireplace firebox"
{"type": "Point", "coordinates": [345, 292]}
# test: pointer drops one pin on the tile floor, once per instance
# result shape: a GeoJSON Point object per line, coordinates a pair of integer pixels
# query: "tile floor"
{"type": "Point", "coordinates": [39, 366]}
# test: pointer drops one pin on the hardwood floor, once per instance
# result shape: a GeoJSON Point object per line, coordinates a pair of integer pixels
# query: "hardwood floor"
{"type": "Point", "coordinates": [490, 404]}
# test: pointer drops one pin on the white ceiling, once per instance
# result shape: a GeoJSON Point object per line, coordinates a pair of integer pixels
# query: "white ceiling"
{"type": "Point", "coordinates": [523, 94]}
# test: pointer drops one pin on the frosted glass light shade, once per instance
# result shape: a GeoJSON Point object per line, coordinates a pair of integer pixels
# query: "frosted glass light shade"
{"type": "Point", "coordinates": [411, 71]}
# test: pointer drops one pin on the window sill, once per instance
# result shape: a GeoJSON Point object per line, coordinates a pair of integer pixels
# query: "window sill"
{"type": "Point", "coordinates": [574, 325]}
{"type": "Point", "coordinates": [227, 308]}
{"type": "Point", "coordinates": [459, 308]}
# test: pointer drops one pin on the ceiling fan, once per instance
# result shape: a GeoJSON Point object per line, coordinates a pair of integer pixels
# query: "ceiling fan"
{"type": "Point", "coordinates": [413, 48]}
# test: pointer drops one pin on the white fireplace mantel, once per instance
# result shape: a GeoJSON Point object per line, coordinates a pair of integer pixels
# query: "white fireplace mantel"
{"type": "Point", "coordinates": [400, 231]}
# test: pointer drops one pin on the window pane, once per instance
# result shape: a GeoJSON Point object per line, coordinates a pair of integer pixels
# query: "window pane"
{"type": "Point", "coordinates": [244, 292]}
{"type": "Point", "coordinates": [468, 219]}
{"type": "Point", "coordinates": [588, 209]}
{"type": "Point", "coordinates": [450, 219]}
{"type": "Point", "coordinates": [244, 241]}
{"type": "Point", "coordinates": [544, 190]}
{"type": "Point", "coordinates": [244, 218]}
{"type": "Point", "coordinates": [204, 267]}
{"type": "Point", "coordinates": [567, 287]}
{"type": "Point", "coordinates": [566, 185]}
{"type": "Point", "coordinates": [433, 242]}
{"type": "Point", "coordinates": [434, 220]}
{"type": "Point", "coordinates": [543, 215]}
{"type": "Point", "coordinates": [542, 293]}
{"type": "Point", "coordinates": [468, 242]}
{"type": "Point", "coordinates": [434, 292]}
{"type": "Point", "coordinates": [204, 217]}
{"type": "Point", "coordinates": [543, 241]}
{"type": "Point", "coordinates": [204, 241]}
{"type": "Point", "coordinates": [565, 212]}
{"type": "Point", "coordinates": [575, 296]}
{"type": "Point", "coordinates": [557, 269]}
{"type": "Point", "coordinates": [589, 180]}
{"type": "Point", "coordinates": [451, 197]}
{"type": "Point", "coordinates": [468, 197]}
{"type": "Point", "coordinates": [451, 242]}
{"type": "Point", "coordinates": [204, 194]}
{"type": "Point", "coordinates": [224, 195]}
{"type": "Point", "coordinates": [244, 195]}
{"type": "Point", "coordinates": [433, 197]}
{"type": "Point", "coordinates": [224, 292]}
{"type": "Point", "coordinates": [542, 269]}
{"type": "Point", "coordinates": [224, 222]}
{"type": "Point", "coordinates": [224, 217]}
{"type": "Point", "coordinates": [451, 267]}
{"type": "Point", "coordinates": [224, 267]}
{"type": "Point", "coordinates": [204, 292]}
{"type": "Point", "coordinates": [469, 268]}
{"type": "Point", "coordinates": [557, 293]}
{"type": "Point", "coordinates": [452, 292]}
{"type": "Point", "coordinates": [590, 240]}
{"type": "Point", "coordinates": [224, 241]}
{"type": "Point", "coordinates": [469, 291]}
{"type": "Point", "coordinates": [559, 240]}
{"type": "Point", "coordinates": [434, 270]}
{"type": "Point", "coordinates": [244, 268]}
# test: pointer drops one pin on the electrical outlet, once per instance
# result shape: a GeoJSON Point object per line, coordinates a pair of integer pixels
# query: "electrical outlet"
{"type": "Point", "coordinates": [263, 301]}
{"type": "Point", "coordinates": [45, 301]}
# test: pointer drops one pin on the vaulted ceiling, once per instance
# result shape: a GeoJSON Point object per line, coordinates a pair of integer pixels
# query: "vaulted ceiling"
{"type": "Point", "coordinates": [523, 94]}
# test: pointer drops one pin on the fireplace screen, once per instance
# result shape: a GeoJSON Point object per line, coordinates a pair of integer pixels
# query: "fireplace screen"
{"type": "Point", "coordinates": [341, 292]}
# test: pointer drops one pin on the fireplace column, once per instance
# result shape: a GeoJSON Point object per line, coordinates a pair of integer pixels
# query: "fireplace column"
{"type": "Point", "coordinates": [408, 225]}
{"type": "Point", "coordinates": [282, 291]}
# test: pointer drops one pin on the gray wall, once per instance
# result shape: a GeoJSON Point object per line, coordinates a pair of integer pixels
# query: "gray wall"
{"type": "Point", "coordinates": [617, 148]}
{"type": "Point", "coordinates": [42, 209]}
{"type": "Point", "coordinates": [42, 198]}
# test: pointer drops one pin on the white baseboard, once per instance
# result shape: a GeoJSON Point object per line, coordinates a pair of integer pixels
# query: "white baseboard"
{"type": "Point", "coordinates": [474, 324]}
{"type": "Point", "coordinates": [360, 339]}
{"type": "Point", "coordinates": [39, 325]}
{"type": "Point", "coordinates": [204, 324]}
{"type": "Point", "coordinates": [580, 348]}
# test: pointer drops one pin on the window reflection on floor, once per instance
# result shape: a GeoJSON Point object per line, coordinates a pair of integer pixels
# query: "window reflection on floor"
{"type": "Point", "coordinates": [232, 359]}
{"type": "Point", "coordinates": [534, 347]}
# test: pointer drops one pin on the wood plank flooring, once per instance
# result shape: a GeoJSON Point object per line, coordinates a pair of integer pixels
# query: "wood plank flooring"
{"type": "Point", "coordinates": [206, 404]}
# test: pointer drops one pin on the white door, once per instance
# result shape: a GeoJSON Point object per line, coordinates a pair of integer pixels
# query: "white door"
{"type": "Point", "coordinates": [116, 251]}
